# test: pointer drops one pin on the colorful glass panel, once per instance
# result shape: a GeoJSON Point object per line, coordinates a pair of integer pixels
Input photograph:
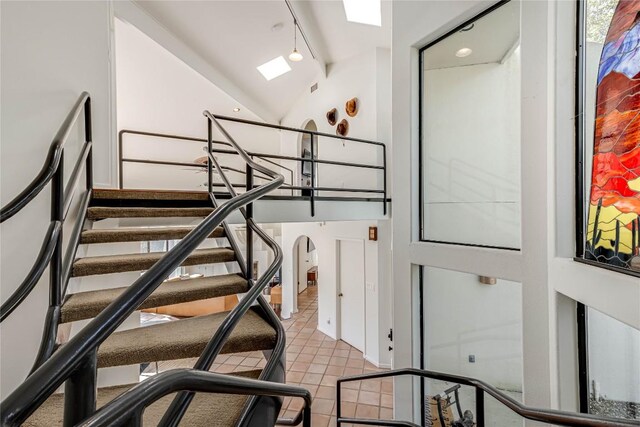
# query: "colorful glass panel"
{"type": "Point", "coordinates": [613, 229]}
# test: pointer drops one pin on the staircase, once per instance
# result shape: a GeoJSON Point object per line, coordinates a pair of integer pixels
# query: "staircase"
{"type": "Point", "coordinates": [179, 339]}
{"type": "Point", "coordinates": [190, 397]}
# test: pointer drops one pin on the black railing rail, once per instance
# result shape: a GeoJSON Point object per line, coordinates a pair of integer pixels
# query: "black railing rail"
{"type": "Point", "coordinates": [214, 346]}
{"type": "Point", "coordinates": [54, 157]}
{"type": "Point", "coordinates": [551, 416]}
{"type": "Point", "coordinates": [50, 254]}
{"type": "Point", "coordinates": [119, 411]}
{"type": "Point", "coordinates": [313, 189]}
{"type": "Point", "coordinates": [75, 362]}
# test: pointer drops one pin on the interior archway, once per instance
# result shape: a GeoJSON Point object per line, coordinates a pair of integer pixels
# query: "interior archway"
{"type": "Point", "coordinates": [305, 267]}
{"type": "Point", "coordinates": [304, 151]}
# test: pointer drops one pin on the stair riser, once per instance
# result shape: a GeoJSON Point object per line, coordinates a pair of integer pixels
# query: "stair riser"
{"type": "Point", "coordinates": [99, 213]}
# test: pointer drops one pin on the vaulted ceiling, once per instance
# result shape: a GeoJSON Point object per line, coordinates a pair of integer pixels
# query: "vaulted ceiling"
{"type": "Point", "coordinates": [237, 36]}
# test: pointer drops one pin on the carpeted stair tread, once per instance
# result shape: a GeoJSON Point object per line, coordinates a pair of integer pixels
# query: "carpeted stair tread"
{"type": "Point", "coordinates": [140, 234]}
{"type": "Point", "coordinates": [101, 212]}
{"type": "Point", "coordinates": [206, 410]}
{"type": "Point", "coordinates": [85, 305]}
{"type": "Point", "coordinates": [114, 193]}
{"type": "Point", "coordinates": [184, 338]}
{"type": "Point", "coordinates": [143, 261]}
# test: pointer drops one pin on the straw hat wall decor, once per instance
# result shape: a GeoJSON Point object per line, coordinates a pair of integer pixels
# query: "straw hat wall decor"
{"type": "Point", "coordinates": [332, 116]}
{"type": "Point", "coordinates": [351, 107]}
{"type": "Point", "coordinates": [343, 128]}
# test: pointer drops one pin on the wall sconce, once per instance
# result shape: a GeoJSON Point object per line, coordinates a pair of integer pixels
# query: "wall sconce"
{"type": "Point", "coordinates": [373, 233]}
{"type": "Point", "coordinates": [486, 280]}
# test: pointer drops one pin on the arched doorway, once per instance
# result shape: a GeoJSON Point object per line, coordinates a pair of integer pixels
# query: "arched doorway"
{"type": "Point", "coordinates": [305, 265]}
{"type": "Point", "coordinates": [304, 150]}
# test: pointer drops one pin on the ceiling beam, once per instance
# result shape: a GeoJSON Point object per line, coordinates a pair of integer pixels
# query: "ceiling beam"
{"type": "Point", "coordinates": [129, 12]}
{"type": "Point", "coordinates": [310, 32]}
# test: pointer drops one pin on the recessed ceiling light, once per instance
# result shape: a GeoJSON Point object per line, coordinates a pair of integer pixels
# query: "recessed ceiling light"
{"type": "Point", "coordinates": [274, 68]}
{"type": "Point", "coordinates": [237, 109]}
{"type": "Point", "coordinates": [363, 11]}
{"type": "Point", "coordinates": [465, 51]}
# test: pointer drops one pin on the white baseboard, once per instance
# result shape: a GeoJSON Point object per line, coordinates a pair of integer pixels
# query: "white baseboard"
{"type": "Point", "coordinates": [328, 333]}
{"type": "Point", "coordinates": [376, 363]}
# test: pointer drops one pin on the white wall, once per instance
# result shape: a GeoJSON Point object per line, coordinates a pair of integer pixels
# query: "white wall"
{"type": "Point", "coordinates": [325, 237]}
{"type": "Point", "coordinates": [471, 143]}
{"type": "Point", "coordinates": [157, 92]}
{"type": "Point", "coordinates": [51, 52]}
{"type": "Point", "coordinates": [364, 77]}
{"type": "Point", "coordinates": [544, 266]}
{"type": "Point", "coordinates": [464, 317]}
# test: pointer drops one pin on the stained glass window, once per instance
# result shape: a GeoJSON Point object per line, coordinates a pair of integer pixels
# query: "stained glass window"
{"type": "Point", "coordinates": [611, 55]}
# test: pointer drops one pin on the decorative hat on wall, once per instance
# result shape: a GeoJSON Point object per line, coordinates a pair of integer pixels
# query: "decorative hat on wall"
{"type": "Point", "coordinates": [343, 128]}
{"type": "Point", "coordinates": [332, 116]}
{"type": "Point", "coordinates": [351, 107]}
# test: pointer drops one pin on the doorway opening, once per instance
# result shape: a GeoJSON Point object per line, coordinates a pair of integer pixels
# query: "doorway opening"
{"type": "Point", "coordinates": [305, 264]}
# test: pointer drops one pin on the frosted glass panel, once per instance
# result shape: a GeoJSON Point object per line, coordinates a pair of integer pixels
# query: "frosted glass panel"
{"type": "Point", "coordinates": [475, 330]}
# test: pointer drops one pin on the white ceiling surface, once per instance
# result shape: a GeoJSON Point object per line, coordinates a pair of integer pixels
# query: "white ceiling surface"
{"type": "Point", "coordinates": [236, 36]}
{"type": "Point", "coordinates": [342, 39]}
{"type": "Point", "coordinates": [492, 37]}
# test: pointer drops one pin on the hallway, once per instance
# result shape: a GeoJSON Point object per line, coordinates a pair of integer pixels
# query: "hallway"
{"type": "Point", "coordinates": [315, 361]}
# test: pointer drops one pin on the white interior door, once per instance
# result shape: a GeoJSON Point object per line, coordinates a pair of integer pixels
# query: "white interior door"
{"type": "Point", "coordinates": [351, 292]}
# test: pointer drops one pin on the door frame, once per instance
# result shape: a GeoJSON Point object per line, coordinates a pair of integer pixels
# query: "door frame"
{"type": "Point", "coordinates": [339, 288]}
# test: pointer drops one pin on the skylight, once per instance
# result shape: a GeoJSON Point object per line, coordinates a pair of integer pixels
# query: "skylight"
{"type": "Point", "coordinates": [363, 11]}
{"type": "Point", "coordinates": [274, 68]}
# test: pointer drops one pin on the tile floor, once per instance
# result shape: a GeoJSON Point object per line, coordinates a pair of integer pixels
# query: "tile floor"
{"type": "Point", "coordinates": [315, 361]}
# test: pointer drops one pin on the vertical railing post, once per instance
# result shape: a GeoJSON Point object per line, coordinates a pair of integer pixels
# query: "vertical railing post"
{"type": "Point", "coordinates": [306, 416]}
{"type": "Point", "coordinates": [313, 175]}
{"type": "Point", "coordinates": [80, 391]}
{"type": "Point", "coordinates": [338, 404]}
{"type": "Point", "coordinates": [88, 137]}
{"type": "Point", "coordinates": [249, 230]}
{"type": "Point", "coordinates": [209, 153]}
{"type": "Point", "coordinates": [120, 160]}
{"type": "Point", "coordinates": [384, 179]}
{"type": "Point", "coordinates": [57, 208]}
{"type": "Point", "coordinates": [479, 407]}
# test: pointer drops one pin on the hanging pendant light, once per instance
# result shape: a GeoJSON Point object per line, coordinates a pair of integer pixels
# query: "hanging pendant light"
{"type": "Point", "coordinates": [295, 56]}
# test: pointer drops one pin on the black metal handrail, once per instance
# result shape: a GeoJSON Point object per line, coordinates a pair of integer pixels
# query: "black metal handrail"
{"type": "Point", "coordinates": [214, 346]}
{"type": "Point", "coordinates": [551, 416]}
{"type": "Point", "coordinates": [119, 411]}
{"type": "Point", "coordinates": [51, 250]}
{"type": "Point", "coordinates": [313, 189]}
{"type": "Point", "coordinates": [41, 263]}
{"type": "Point", "coordinates": [54, 158]}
